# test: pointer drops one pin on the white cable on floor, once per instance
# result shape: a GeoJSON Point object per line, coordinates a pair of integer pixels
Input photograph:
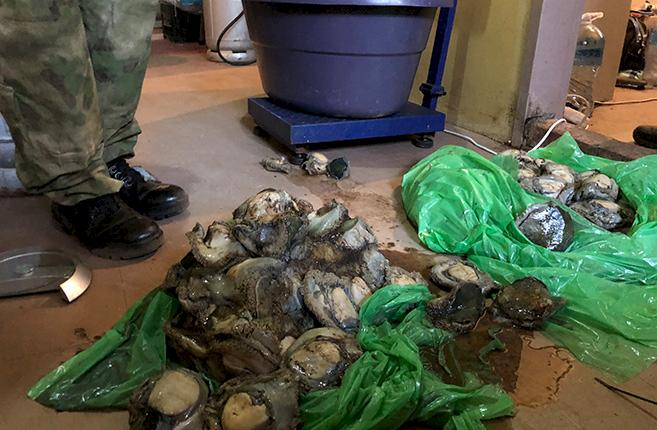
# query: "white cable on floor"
{"type": "Point", "coordinates": [490, 151]}
{"type": "Point", "coordinates": [547, 133]}
{"type": "Point", "coordinates": [471, 140]}
{"type": "Point", "coordinates": [627, 102]}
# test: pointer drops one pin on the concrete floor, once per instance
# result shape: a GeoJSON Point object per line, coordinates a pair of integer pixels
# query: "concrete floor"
{"type": "Point", "coordinates": [197, 134]}
{"type": "Point", "coordinates": [619, 121]}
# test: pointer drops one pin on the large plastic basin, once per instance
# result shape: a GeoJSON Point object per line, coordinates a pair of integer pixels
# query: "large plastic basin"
{"type": "Point", "coordinates": [341, 58]}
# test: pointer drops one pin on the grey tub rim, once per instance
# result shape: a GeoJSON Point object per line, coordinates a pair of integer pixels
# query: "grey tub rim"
{"type": "Point", "coordinates": [371, 3]}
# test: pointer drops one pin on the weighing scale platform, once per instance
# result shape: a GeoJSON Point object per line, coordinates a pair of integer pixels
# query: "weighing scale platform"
{"type": "Point", "coordinates": [299, 129]}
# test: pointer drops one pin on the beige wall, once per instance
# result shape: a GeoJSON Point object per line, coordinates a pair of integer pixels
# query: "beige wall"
{"type": "Point", "coordinates": [484, 66]}
{"type": "Point", "coordinates": [638, 4]}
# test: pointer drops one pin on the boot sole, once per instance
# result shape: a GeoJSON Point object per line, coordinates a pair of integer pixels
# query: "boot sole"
{"type": "Point", "coordinates": [165, 212]}
{"type": "Point", "coordinates": [131, 251]}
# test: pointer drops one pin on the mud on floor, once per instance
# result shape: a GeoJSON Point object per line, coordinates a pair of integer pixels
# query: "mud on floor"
{"type": "Point", "coordinates": [370, 206]}
{"type": "Point", "coordinates": [530, 372]}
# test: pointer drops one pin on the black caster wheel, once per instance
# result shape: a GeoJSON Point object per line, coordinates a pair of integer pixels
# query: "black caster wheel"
{"type": "Point", "coordinates": [298, 158]}
{"type": "Point", "coordinates": [422, 141]}
{"type": "Point", "coordinates": [260, 132]}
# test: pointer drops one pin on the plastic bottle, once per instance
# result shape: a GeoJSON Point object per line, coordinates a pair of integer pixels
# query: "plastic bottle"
{"type": "Point", "coordinates": [650, 70]}
{"type": "Point", "coordinates": [588, 59]}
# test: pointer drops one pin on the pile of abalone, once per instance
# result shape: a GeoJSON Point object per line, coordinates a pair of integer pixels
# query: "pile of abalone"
{"type": "Point", "coordinates": [592, 194]}
{"type": "Point", "coordinates": [270, 303]}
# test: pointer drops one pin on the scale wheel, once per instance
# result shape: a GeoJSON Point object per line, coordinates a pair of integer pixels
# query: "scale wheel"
{"type": "Point", "coordinates": [422, 141]}
{"type": "Point", "coordinates": [260, 132]}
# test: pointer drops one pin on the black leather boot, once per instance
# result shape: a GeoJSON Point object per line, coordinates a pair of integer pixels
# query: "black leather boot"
{"type": "Point", "coordinates": [149, 197]}
{"type": "Point", "coordinates": [646, 135]}
{"type": "Point", "coordinates": [109, 227]}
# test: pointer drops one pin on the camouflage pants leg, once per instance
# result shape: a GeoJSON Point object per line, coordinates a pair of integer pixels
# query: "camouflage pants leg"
{"type": "Point", "coordinates": [56, 110]}
{"type": "Point", "coordinates": [119, 41]}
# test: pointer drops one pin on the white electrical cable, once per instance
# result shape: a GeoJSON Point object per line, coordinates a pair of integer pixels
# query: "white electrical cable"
{"type": "Point", "coordinates": [471, 140]}
{"type": "Point", "coordinates": [627, 102]}
{"type": "Point", "coordinates": [490, 151]}
{"type": "Point", "coordinates": [547, 133]}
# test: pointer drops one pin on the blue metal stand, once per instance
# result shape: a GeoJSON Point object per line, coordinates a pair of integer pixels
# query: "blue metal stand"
{"type": "Point", "coordinates": [296, 129]}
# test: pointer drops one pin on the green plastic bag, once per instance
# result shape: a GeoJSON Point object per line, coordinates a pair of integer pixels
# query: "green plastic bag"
{"type": "Point", "coordinates": [388, 386]}
{"type": "Point", "coordinates": [465, 204]}
{"type": "Point", "coordinates": [106, 374]}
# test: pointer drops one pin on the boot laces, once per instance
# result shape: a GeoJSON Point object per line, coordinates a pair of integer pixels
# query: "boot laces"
{"type": "Point", "coordinates": [121, 170]}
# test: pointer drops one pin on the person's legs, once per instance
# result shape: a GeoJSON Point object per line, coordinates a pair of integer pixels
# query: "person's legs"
{"type": "Point", "coordinates": [48, 96]}
{"type": "Point", "coordinates": [119, 41]}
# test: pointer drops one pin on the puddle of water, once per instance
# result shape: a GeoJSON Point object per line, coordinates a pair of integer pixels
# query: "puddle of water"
{"type": "Point", "coordinates": [462, 354]}
{"type": "Point", "coordinates": [540, 375]}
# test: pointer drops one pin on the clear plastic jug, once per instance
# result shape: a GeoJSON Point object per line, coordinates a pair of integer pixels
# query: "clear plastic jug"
{"type": "Point", "coordinates": [588, 59]}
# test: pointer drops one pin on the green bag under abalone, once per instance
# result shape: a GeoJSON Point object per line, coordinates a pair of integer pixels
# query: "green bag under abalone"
{"type": "Point", "coordinates": [464, 204]}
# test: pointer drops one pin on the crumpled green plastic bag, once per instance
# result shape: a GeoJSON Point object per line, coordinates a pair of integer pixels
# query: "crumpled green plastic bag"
{"type": "Point", "coordinates": [465, 204]}
{"type": "Point", "coordinates": [105, 374]}
{"type": "Point", "coordinates": [388, 385]}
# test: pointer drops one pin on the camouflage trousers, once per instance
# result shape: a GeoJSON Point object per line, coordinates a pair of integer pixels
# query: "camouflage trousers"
{"type": "Point", "coordinates": [71, 73]}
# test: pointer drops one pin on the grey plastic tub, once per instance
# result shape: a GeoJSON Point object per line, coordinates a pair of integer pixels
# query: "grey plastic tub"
{"type": "Point", "coordinates": [341, 58]}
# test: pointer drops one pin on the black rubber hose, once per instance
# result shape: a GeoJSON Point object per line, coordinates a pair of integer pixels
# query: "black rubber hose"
{"type": "Point", "coordinates": [221, 36]}
{"type": "Point", "coordinates": [627, 393]}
